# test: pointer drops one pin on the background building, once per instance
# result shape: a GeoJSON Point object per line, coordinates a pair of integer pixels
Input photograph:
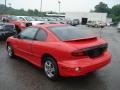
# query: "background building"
{"type": "Point", "coordinates": [84, 17]}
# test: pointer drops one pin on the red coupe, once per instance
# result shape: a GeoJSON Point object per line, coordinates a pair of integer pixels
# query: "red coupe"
{"type": "Point", "coordinates": [61, 50]}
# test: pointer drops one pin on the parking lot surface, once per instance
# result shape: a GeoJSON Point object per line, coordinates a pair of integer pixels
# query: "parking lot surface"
{"type": "Point", "coordinates": [18, 74]}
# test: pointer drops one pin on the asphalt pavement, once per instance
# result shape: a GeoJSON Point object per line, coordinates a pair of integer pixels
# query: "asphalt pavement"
{"type": "Point", "coordinates": [18, 74]}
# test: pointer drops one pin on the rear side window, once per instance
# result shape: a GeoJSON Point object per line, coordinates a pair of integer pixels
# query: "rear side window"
{"type": "Point", "coordinates": [41, 35]}
{"type": "Point", "coordinates": [28, 33]}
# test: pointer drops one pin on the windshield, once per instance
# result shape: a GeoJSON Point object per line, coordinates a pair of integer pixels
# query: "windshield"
{"type": "Point", "coordinates": [38, 19]}
{"type": "Point", "coordinates": [68, 32]}
{"type": "Point", "coordinates": [29, 19]}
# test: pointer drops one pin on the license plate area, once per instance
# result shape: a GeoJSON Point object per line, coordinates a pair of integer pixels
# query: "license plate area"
{"type": "Point", "coordinates": [96, 51]}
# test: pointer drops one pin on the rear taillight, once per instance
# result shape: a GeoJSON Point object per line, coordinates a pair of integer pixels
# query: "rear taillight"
{"type": "Point", "coordinates": [77, 53]}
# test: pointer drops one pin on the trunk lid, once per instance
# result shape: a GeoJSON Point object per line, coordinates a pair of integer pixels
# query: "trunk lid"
{"type": "Point", "coordinates": [82, 43]}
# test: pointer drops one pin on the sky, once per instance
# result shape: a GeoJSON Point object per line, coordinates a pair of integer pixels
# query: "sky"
{"type": "Point", "coordinates": [66, 5]}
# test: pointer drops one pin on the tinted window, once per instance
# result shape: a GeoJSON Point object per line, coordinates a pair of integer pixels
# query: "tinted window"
{"type": "Point", "coordinates": [28, 33]}
{"type": "Point", "coordinates": [41, 35]}
{"type": "Point", "coordinates": [68, 32]}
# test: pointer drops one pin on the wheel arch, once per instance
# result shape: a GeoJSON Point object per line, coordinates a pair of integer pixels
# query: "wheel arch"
{"type": "Point", "coordinates": [8, 43]}
{"type": "Point", "coordinates": [47, 55]}
{"type": "Point", "coordinates": [54, 59]}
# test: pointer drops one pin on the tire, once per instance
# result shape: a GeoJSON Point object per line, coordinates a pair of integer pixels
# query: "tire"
{"type": "Point", "coordinates": [50, 68]}
{"type": "Point", "coordinates": [10, 51]}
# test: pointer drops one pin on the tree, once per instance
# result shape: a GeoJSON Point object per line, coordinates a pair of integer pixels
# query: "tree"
{"type": "Point", "coordinates": [30, 12]}
{"type": "Point", "coordinates": [102, 7]}
{"type": "Point", "coordinates": [2, 9]}
{"type": "Point", "coordinates": [116, 10]}
{"type": "Point", "coordinates": [20, 12]}
{"type": "Point", "coordinates": [36, 12]}
{"type": "Point", "coordinates": [115, 13]}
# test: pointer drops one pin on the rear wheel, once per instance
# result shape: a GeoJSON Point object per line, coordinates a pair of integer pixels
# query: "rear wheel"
{"type": "Point", "coordinates": [50, 68]}
{"type": "Point", "coordinates": [10, 51]}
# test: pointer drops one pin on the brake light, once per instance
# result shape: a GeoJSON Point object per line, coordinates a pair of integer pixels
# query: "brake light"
{"type": "Point", "coordinates": [77, 53]}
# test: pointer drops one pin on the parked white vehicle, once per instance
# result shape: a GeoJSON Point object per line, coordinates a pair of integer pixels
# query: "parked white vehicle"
{"type": "Point", "coordinates": [96, 24]}
{"type": "Point", "coordinates": [118, 27]}
{"type": "Point", "coordinates": [32, 20]}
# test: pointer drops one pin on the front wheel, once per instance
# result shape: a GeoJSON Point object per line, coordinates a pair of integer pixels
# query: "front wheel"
{"type": "Point", "coordinates": [10, 51]}
{"type": "Point", "coordinates": [50, 68]}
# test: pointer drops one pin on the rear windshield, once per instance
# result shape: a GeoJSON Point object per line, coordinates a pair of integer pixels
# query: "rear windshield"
{"type": "Point", "coordinates": [67, 32]}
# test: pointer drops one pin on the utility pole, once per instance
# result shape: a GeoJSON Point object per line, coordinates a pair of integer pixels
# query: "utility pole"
{"type": "Point", "coordinates": [5, 3]}
{"type": "Point", "coordinates": [59, 6]}
{"type": "Point", "coordinates": [41, 8]}
{"type": "Point", "coordinates": [5, 7]}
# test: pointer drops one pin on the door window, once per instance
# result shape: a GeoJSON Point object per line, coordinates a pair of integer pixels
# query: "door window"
{"type": "Point", "coordinates": [28, 33]}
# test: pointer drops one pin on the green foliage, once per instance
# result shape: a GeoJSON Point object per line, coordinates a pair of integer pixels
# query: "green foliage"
{"type": "Point", "coordinates": [113, 12]}
{"type": "Point", "coordinates": [116, 10]}
{"type": "Point", "coordinates": [102, 7]}
{"type": "Point", "coordinates": [20, 12]}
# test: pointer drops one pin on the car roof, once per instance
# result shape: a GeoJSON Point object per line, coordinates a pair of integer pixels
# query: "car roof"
{"type": "Point", "coordinates": [50, 25]}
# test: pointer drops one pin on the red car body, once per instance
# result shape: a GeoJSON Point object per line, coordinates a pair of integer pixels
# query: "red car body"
{"type": "Point", "coordinates": [18, 23]}
{"type": "Point", "coordinates": [68, 54]}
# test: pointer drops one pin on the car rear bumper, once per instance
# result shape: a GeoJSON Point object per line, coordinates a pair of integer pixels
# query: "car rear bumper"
{"type": "Point", "coordinates": [82, 66]}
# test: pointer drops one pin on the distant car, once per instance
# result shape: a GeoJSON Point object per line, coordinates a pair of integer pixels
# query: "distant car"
{"type": "Point", "coordinates": [46, 21]}
{"type": "Point", "coordinates": [6, 30]}
{"type": "Point", "coordinates": [61, 50]}
{"type": "Point", "coordinates": [30, 19]}
{"type": "Point", "coordinates": [118, 27]}
{"type": "Point", "coordinates": [73, 22]}
{"type": "Point", "coordinates": [52, 22]}
{"type": "Point", "coordinates": [109, 23]}
{"type": "Point", "coordinates": [77, 21]}
{"type": "Point", "coordinates": [90, 23]}
{"type": "Point", "coordinates": [36, 18]}
{"type": "Point", "coordinates": [19, 24]}
{"type": "Point", "coordinates": [96, 24]}
{"type": "Point", "coordinates": [61, 20]}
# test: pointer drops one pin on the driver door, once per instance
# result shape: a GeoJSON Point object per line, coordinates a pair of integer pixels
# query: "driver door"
{"type": "Point", "coordinates": [25, 41]}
